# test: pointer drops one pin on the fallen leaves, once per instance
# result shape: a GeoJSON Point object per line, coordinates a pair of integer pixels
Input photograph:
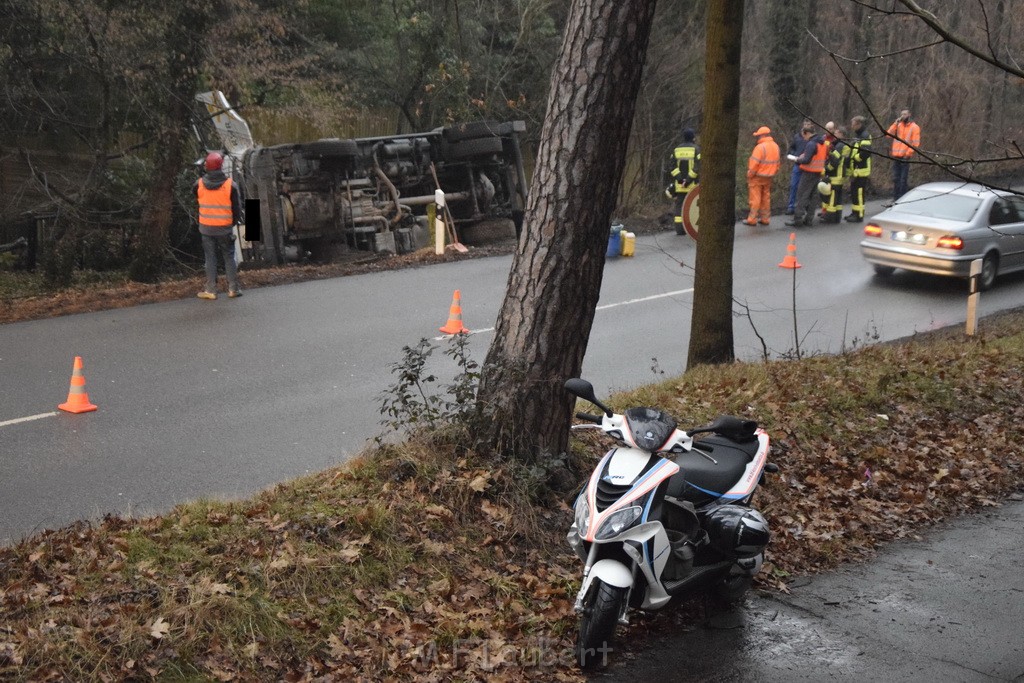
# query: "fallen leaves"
{"type": "Point", "coordinates": [449, 575]}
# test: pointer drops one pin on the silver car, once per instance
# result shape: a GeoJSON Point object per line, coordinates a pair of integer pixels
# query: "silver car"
{"type": "Point", "coordinates": [939, 228]}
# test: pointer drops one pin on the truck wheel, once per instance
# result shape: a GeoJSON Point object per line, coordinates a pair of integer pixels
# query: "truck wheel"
{"type": "Point", "coordinates": [471, 149]}
{"type": "Point", "coordinates": [471, 130]}
{"type": "Point", "coordinates": [331, 148]}
{"type": "Point", "coordinates": [487, 232]}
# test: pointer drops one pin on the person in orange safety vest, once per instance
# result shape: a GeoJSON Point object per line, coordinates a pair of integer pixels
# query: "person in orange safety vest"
{"type": "Point", "coordinates": [812, 165]}
{"type": "Point", "coordinates": [761, 169]}
{"type": "Point", "coordinates": [906, 137]}
{"type": "Point", "coordinates": [219, 211]}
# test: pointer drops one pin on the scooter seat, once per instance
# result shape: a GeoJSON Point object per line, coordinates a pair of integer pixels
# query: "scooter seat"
{"type": "Point", "coordinates": [700, 480]}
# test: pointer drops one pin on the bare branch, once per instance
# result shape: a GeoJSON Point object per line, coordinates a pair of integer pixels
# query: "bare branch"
{"type": "Point", "coordinates": [932, 21]}
{"type": "Point", "coordinates": [870, 57]}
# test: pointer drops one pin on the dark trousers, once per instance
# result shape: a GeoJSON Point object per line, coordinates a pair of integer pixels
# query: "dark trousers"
{"type": "Point", "coordinates": [794, 182]}
{"type": "Point", "coordinates": [677, 211]}
{"type": "Point", "coordinates": [226, 244]}
{"type": "Point", "coordinates": [832, 206]}
{"type": "Point", "coordinates": [900, 177]}
{"type": "Point", "coordinates": [806, 198]}
{"type": "Point", "coordinates": [858, 188]}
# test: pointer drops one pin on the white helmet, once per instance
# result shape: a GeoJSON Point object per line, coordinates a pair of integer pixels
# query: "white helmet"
{"type": "Point", "coordinates": [824, 188]}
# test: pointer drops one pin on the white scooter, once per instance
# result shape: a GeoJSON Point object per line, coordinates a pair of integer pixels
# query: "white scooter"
{"type": "Point", "coordinates": [663, 515]}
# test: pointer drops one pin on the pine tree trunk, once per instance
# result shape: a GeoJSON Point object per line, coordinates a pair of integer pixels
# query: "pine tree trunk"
{"type": "Point", "coordinates": [711, 339]}
{"type": "Point", "coordinates": [545, 321]}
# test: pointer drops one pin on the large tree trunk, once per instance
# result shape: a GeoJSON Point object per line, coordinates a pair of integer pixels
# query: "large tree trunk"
{"type": "Point", "coordinates": [545, 321]}
{"type": "Point", "coordinates": [711, 339]}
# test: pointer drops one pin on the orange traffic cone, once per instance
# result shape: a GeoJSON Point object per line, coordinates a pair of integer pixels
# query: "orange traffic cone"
{"type": "Point", "coordinates": [78, 400]}
{"type": "Point", "coordinates": [454, 324]}
{"type": "Point", "coordinates": [790, 260]}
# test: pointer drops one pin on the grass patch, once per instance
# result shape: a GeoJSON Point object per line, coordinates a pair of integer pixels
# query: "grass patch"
{"type": "Point", "coordinates": [427, 561]}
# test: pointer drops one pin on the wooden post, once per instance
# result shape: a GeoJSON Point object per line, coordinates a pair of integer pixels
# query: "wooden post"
{"type": "Point", "coordinates": [439, 226]}
{"type": "Point", "coordinates": [972, 298]}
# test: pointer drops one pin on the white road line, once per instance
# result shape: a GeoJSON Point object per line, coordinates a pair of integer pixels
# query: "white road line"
{"type": "Point", "coordinates": [646, 298]}
{"type": "Point", "coordinates": [599, 308]}
{"type": "Point", "coordinates": [27, 419]}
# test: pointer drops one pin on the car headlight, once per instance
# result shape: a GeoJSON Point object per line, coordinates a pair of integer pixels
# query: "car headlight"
{"type": "Point", "coordinates": [618, 522]}
{"type": "Point", "coordinates": [582, 515]}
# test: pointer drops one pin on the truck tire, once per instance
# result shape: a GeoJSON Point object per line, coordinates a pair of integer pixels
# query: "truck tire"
{"type": "Point", "coordinates": [471, 130]}
{"type": "Point", "coordinates": [487, 232]}
{"type": "Point", "coordinates": [331, 148]}
{"type": "Point", "coordinates": [471, 149]}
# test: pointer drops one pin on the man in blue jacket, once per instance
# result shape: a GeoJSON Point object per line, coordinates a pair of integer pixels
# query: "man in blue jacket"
{"type": "Point", "coordinates": [796, 148]}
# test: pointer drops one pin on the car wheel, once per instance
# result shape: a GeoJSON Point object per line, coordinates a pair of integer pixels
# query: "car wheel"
{"type": "Point", "coordinates": [884, 271]}
{"type": "Point", "coordinates": [989, 270]}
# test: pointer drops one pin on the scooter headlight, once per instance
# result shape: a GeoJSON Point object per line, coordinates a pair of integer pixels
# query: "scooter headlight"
{"type": "Point", "coordinates": [618, 522]}
{"type": "Point", "coordinates": [582, 515]}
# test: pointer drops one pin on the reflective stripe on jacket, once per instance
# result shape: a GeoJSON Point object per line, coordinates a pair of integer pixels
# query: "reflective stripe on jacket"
{"type": "Point", "coordinates": [764, 160]}
{"type": "Point", "coordinates": [816, 164]}
{"type": "Point", "coordinates": [910, 132]}
{"type": "Point", "coordinates": [838, 159]}
{"type": "Point", "coordinates": [685, 173]}
{"type": "Point", "coordinates": [860, 157]}
{"type": "Point", "coordinates": [215, 205]}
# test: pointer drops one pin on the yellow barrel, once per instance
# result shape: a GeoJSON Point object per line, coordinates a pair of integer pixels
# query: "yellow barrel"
{"type": "Point", "coordinates": [628, 243]}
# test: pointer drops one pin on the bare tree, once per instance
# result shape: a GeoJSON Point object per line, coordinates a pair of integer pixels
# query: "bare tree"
{"type": "Point", "coordinates": [947, 93]}
{"type": "Point", "coordinates": [545, 321]}
{"type": "Point", "coordinates": [711, 338]}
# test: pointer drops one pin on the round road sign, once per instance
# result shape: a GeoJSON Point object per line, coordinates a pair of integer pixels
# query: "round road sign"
{"type": "Point", "coordinates": [691, 212]}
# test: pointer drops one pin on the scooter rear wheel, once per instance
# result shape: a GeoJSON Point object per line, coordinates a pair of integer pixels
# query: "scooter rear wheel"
{"type": "Point", "coordinates": [601, 607]}
{"type": "Point", "coordinates": [731, 589]}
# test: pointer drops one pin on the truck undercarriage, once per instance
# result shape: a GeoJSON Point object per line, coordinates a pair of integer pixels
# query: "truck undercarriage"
{"type": "Point", "coordinates": [372, 194]}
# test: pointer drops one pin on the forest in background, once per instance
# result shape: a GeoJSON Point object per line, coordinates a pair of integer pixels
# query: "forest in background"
{"type": "Point", "coordinates": [95, 118]}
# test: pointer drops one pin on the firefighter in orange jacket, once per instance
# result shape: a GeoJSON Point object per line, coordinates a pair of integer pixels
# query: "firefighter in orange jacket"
{"type": "Point", "coordinates": [761, 169]}
{"type": "Point", "coordinates": [219, 211]}
{"type": "Point", "coordinates": [906, 137]}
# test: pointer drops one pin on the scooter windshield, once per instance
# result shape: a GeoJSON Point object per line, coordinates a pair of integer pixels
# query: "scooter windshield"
{"type": "Point", "coordinates": [650, 427]}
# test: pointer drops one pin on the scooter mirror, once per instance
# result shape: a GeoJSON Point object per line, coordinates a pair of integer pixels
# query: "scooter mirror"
{"type": "Point", "coordinates": [585, 390]}
{"type": "Point", "coordinates": [580, 387]}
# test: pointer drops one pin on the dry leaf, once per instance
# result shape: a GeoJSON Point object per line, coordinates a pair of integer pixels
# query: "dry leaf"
{"type": "Point", "coordinates": [159, 629]}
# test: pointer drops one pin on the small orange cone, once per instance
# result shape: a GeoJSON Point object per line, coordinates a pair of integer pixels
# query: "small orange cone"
{"type": "Point", "coordinates": [790, 260]}
{"type": "Point", "coordinates": [454, 324]}
{"type": "Point", "coordinates": [78, 400]}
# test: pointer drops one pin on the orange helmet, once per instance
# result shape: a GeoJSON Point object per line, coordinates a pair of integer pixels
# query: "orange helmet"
{"type": "Point", "coordinates": [214, 160]}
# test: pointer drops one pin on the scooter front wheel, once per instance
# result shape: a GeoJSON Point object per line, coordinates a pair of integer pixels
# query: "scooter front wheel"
{"type": "Point", "coordinates": [601, 607]}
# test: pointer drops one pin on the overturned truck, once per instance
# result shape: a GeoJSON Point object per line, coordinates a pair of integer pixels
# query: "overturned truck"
{"type": "Point", "coordinates": [370, 194]}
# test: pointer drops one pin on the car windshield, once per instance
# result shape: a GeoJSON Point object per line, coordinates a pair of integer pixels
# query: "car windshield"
{"type": "Point", "coordinates": [952, 207]}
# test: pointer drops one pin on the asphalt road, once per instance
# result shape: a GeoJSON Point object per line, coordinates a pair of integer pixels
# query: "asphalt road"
{"type": "Point", "coordinates": [947, 607]}
{"type": "Point", "coordinates": [222, 399]}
